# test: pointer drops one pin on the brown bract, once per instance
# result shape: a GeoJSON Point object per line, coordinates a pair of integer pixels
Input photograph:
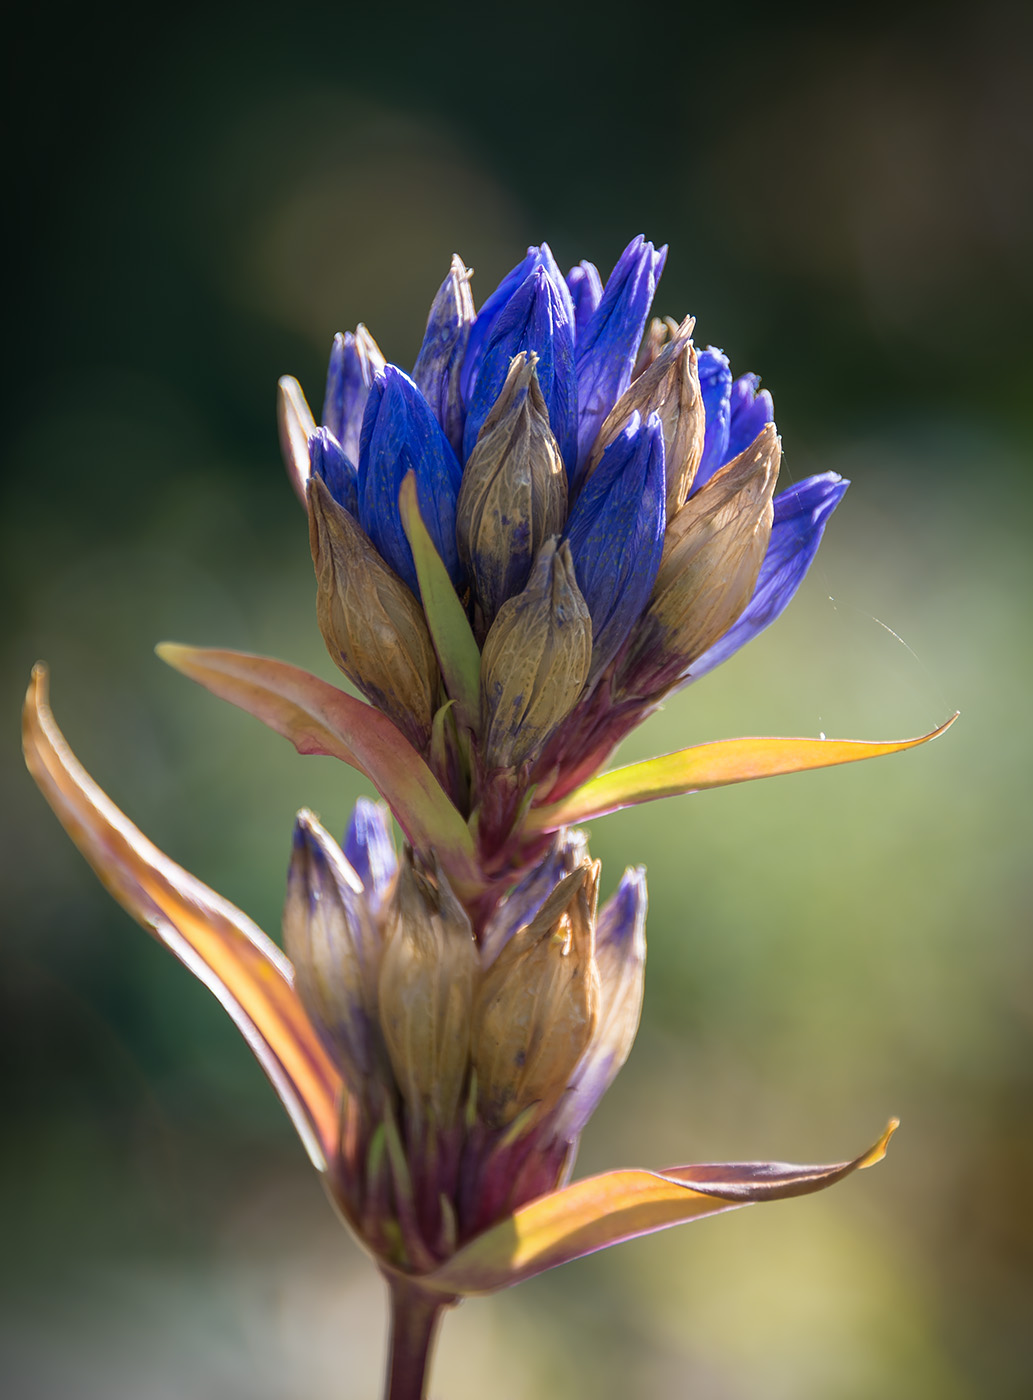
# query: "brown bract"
{"type": "Point", "coordinates": [373, 627]}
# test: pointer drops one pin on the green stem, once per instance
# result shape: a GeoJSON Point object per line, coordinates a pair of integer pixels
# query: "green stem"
{"type": "Point", "coordinates": [415, 1315]}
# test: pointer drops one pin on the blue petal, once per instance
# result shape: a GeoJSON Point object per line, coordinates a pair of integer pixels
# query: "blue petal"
{"type": "Point", "coordinates": [535, 318]}
{"type": "Point", "coordinates": [616, 534]}
{"type": "Point", "coordinates": [370, 849]}
{"type": "Point", "coordinates": [537, 256]}
{"type": "Point", "coordinates": [438, 365]}
{"type": "Point", "coordinates": [586, 291]}
{"type": "Point", "coordinates": [348, 379]}
{"type": "Point", "coordinates": [607, 350]}
{"type": "Point", "coordinates": [750, 411]}
{"type": "Point", "coordinates": [400, 434]}
{"type": "Point", "coordinates": [622, 918]}
{"type": "Point", "coordinates": [715, 384]}
{"type": "Point", "coordinates": [801, 514]}
{"type": "Point", "coordinates": [329, 460]}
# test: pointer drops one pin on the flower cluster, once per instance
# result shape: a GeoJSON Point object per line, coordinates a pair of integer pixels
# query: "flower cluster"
{"type": "Point", "coordinates": [562, 515]}
{"type": "Point", "coordinates": [598, 494]}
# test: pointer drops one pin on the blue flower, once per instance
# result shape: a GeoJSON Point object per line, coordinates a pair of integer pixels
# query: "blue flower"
{"type": "Point", "coordinates": [400, 434]}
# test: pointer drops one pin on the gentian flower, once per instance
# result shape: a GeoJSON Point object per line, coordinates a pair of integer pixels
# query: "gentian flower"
{"type": "Point", "coordinates": [563, 515]}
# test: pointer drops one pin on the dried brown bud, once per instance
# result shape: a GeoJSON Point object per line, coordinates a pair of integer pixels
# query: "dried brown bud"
{"type": "Point", "coordinates": [669, 386]}
{"type": "Point", "coordinates": [658, 333]}
{"type": "Point", "coordinates": [514, 490]}
{"type": "Point", "coordinates": [427, 977]}
{"type": "Point", "coordinates": [535, 661]}
{"type": "Point", "coordinates": [537, 1006]}
{"type": "Point", "coordinates": [372, 625]}
{"type": "Point", "coordinates": [332, 939]}
{"type": "Point", "coordinates": [712, 554]}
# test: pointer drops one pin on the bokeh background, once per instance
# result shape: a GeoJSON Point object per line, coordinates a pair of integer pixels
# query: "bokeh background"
{"type": "Point", "coordinates": [198, 197]}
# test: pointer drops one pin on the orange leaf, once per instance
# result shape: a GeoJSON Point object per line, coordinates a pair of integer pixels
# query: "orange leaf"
{"type": "Point", "coordinates": [220, 945]}
{"type": "Point", "coordinates": [318, 718]}
{"type": "Point", "coordinates": [708, 766]}
{"type": "Point", "coordinates": [622, 1205]}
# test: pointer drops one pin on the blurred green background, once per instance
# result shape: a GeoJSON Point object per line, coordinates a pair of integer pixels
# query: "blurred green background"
{"type": "Point", "coordinates": [198, 198]}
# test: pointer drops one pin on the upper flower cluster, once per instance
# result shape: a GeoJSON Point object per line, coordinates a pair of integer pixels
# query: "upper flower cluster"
{"type": "Point", "coordinates": [563, 514]}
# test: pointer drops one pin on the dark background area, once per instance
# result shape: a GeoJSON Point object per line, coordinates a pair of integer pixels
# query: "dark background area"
{"type": "Point", "coordinates": [197, 199]}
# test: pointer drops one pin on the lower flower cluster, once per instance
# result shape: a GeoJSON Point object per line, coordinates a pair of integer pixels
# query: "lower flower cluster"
{"type": "Point", "coordinates": [471, 1063]}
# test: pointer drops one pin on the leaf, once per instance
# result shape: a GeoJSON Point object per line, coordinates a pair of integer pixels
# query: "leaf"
{"type": "Point", "coordinates": [220, 945]}
{"type": "Point", "coordinates": [296, 424]}
{"type": "Point", "coordinates": [616, 1206]}
{"type": "Point", "coordinates": [320, 719]}
{"type": "Point", "coordinates": [458, 654]}
{"type": "Point", "coordinates": [709, 766]}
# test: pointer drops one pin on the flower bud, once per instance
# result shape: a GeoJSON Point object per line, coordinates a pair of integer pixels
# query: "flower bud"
{"type": "Point", "coordinates": [438, 365]}
{"type": "Point", "coordinates": [715, 384]}
{"type": "Point", "coordinates": [372, 625]}
{"type": "Point", "coordinates": [607, 351]}
{"type": "Point", "coordinates": [616, 534]}
{"type": "Point", "coordinates": [328, 460]}
{"type": "Point", "coordinates": [331, 938]}
{"type": "Point", "coordinates": [370, 850]}
{"type": "Point", "coordinates": [514, 490]}
{"type": "Point", "coordinates": [355, 361]}
{"type": "Point", "coordinates": [586, 291]}
{"type": "Point", "coordinates": [400, 434]}
{"type": "Point", "coordinates": [535, 660]}
{"type": "Point", "coordinates": [620, 956]}
{"type": "Point", "coordinates": [538, 317]}
{"type": "Point", "coordinates": [750, 408]}
{"type": "Point", "coordinates": [522, 904]}
{"type": "Point", "coordinates": [537, 1005]}
{"type": "Point", "coordinates": [669, 386]}
{"type": "Point", "coordinates": [426, 991]}
{"type": "Point", "coordinates": [712, 555]}
{"type": "Point", "coordinates": [496, 303]}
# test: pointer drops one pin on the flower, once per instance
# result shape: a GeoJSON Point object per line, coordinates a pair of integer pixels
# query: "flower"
{"type": "Point", "coordinates": [563, 515]}
{"type": "Point", "coordinates": [442, 1118]}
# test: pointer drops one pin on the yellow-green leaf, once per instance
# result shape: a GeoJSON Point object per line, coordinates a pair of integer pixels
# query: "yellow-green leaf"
{"type": "Point", "coordinates": [450, 630]}
{"type": "Point", "coordinates": [708, 766]}
{"type": "Point", "coordinates": [616, 1206]}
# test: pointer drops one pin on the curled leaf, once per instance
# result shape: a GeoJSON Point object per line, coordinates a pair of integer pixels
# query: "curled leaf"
{"type": "Point", "coordinates": [622, 1205]}
{"type": "Point", "coordinates": [220, 945]}
{"type": "Point", "coordinates": [320, 719]}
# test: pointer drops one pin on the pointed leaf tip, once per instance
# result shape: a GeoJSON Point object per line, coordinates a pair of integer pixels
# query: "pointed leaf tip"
{"type": "Point", "coordinates": [604, 1210]}
{"type": "Point", "coordinates": [220, 945]}
{"type": "Point", "coordinates": [717, 764]}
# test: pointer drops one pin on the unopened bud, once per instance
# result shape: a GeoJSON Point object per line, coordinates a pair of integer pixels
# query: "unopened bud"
{"type": "Point", "coordinates": [372, 625]}
{"type": "Point", "coordinates": [620, 955]}
{"type": "Point", "coordinates": [713, 551]}
{"type": "Point", "coordinates": [331, 938]}
{"type": "Point", "coordinates": [355, 361]}
{"type": "Point", "coordinates": [586, 292]}
{"type": "Point", "coordinates": [537, 1006]}
{"type": "Point", "coordinates": [439, 363]}
{"type": "Point", "coordinates": [669, 387]}
{"type": "Point", "coordinates": [535, 660]}
{"type": "Point", "coordinates": [514, 490]}
{"type": "Point", "coordinates": [426, 991]}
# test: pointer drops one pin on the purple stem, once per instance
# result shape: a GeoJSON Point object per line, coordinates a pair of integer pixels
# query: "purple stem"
{"type": "Point", "coordinates": [415, 1315]}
